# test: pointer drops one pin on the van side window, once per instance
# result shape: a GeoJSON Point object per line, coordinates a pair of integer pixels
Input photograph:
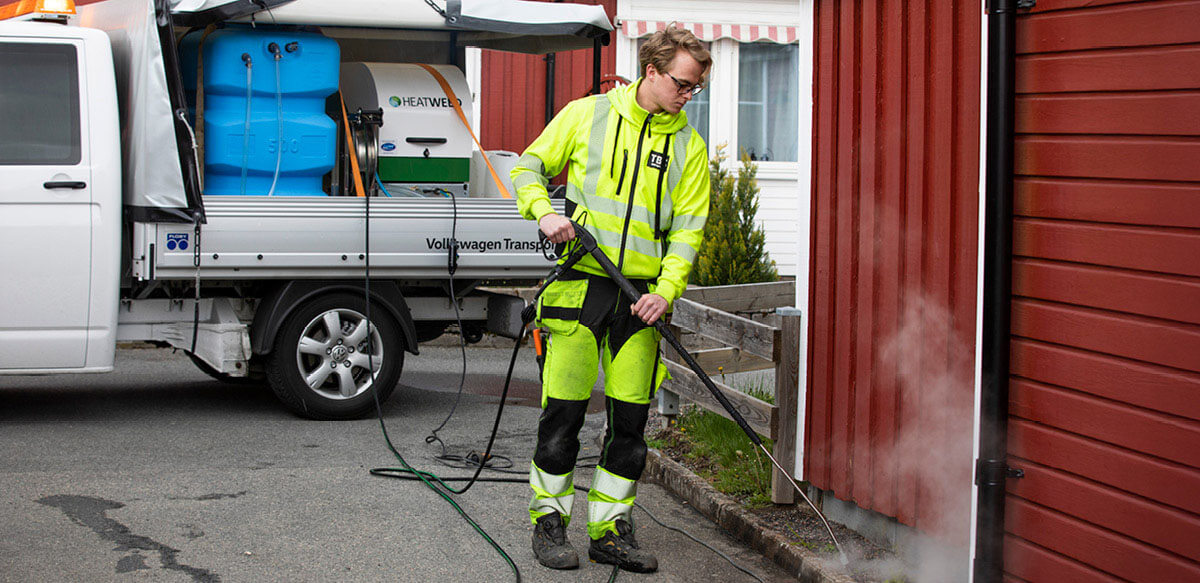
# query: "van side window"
{"type": "Point", "coordinates": [39, 104]}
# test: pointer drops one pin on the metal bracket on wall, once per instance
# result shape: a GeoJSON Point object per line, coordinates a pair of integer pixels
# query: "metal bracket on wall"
{"type": "Point", "coordinates": [1001, 6]}
{"type": "Point", "coordinates": [995, 472]}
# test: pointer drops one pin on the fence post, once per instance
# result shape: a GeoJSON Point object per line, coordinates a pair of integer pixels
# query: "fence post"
{"type": "Point", "coordinates": [668, 401]}
{"type": "Point", "coordinates": [787, 388]}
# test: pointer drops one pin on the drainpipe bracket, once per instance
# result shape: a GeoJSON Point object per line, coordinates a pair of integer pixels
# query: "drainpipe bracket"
{"type": "Point", "coordinates": [1002, 6]}
{"type": "Point", "coordinates": [995, 472]}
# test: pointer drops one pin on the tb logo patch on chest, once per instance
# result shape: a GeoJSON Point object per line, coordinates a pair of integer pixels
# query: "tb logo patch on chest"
{"type": "Point", "coordinates": [658, 160]}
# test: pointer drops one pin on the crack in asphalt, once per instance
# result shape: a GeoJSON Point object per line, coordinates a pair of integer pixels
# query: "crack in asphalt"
{"type": "Point", "coordinates": [91, 512]}
{"type": "Point", "coordinates": [207, 497]}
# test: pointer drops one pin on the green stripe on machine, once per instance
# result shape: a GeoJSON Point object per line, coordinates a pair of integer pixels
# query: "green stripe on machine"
{"type": "Point", "coordinates": [405, 169]}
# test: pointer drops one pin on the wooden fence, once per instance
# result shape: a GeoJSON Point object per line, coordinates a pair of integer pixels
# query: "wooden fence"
{"type": "Point", "coordinates": [740, 328]}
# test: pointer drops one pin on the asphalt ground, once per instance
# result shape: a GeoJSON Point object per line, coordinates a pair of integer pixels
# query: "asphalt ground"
{"type": "Point", "coordinates": [158, 473]}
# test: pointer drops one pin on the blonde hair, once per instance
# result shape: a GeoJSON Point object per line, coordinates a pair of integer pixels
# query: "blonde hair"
{"type": "Point", "coordinates": [662, 46]}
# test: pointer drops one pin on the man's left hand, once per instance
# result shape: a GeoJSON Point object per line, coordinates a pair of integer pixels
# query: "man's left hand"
{"type": "Point", "coordinates": [649, 307]}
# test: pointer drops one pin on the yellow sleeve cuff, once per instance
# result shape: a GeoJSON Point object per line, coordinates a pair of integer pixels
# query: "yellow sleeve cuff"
{"type": "Point", "coordinates": [540, 208]}
{"type": "Point", "coordinates": [667, 291]}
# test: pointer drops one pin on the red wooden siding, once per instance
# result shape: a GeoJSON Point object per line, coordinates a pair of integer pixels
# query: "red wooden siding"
{"type": "Point", "coordinates": [1105, 401]}
{"type": "Point", "coordinates": [514, 88]}
{"type": "Point", "coordinates": [894, 252]}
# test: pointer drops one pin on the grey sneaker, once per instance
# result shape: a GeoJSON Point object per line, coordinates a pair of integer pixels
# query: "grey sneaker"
{"type": "Point", "coordinates": [550, 544]}
{"type": "Point", "coordinates": [622, 550]}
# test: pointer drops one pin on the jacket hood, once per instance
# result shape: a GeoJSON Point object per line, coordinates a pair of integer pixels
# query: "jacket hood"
{"type": "Point", "coordinates": [624, 100]}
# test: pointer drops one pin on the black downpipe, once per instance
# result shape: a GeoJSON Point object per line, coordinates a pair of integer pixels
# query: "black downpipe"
{"type": "Point", "coordinates": [991, 469]}
{"type": "Point", "coordinates": [549, 87]}
{"type": "Point", "coordinates": [597, 43]}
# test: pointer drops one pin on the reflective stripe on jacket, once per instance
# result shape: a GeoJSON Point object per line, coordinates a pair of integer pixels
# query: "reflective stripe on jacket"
{"type": "Point", "coordinates": [641, 180]}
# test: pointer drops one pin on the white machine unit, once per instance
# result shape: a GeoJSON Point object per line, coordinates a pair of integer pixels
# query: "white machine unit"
{"type": "Point", "coordinates": [421, 141]}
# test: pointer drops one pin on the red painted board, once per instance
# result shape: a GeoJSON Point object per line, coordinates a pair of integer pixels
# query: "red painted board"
{"type": "Point", "coordinates": [1156, 295]}
{"type": "Point", "coordinates": [1137, 383]}
{"type": "Point", "coordinates": [1153, 341]}
{"type": "Point", "coordinates": [918, 136]}
{"type": "Point", "coordinates": [1172, 251]}
{"type": "Point", "coordinates": [1166, 436]}
{"type": "Point", "coordinates": [1129, 25]}
{"type": "Point", "coordinates": [843, 248]}
{"type": "Point", "coordinates": [1036, 564]}
{"type": "Point", "coordinates": [1161, 526]}
{"type": "Point", "coordinates": [1166, 113]}
{"type": "Point", "coordinates": [1043, 6]}
{"type": "Point", "coordinates": [1150, 477]}
{"type": "Point", "coordinates": [1108, 201]}
{"type": "Point", "coordinates": [863, 256]}
{"type": "Point", "coordinates": [1109, 551]}
{"type": "Point", "coordinates": [1127, 157]}
{"type": "Point", "coordinates": [1156, 68]}
{"type": "Point", "coordinates": [886, 421]}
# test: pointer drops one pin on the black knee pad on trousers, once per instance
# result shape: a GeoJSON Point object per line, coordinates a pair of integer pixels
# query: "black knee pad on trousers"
{"type": "Point", "coordinates": [625, 442]}
{"type": "Point", "coordinates": [558, 435]}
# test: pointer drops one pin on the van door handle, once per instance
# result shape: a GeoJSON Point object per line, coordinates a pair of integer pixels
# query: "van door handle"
{"type": "Point", "coordinates": [72, 184]}
{"type": "Point", "coordinates": [416, 140]}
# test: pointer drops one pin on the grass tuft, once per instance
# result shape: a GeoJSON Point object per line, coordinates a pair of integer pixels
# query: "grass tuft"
{"type": "Point", "coordinates": [724, 454]}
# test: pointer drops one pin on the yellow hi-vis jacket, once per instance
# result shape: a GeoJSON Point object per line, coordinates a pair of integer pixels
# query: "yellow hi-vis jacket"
{"type": "Point", "coordinates": [639, 182]}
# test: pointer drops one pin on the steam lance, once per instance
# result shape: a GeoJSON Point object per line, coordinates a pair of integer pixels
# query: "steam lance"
{"type": "Point", "coordinates": [587, 244]}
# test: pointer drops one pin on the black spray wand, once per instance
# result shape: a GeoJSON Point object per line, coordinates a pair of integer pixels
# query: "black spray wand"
{"type": "Point", "coordinates": [588, 243]}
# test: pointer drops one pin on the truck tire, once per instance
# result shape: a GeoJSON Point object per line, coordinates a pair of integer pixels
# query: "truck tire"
{"type": "Point", "coordinates": [319, 365]}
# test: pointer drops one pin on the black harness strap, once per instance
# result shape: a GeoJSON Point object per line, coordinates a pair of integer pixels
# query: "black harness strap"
{"type": "Point", "coordinates": [660, 234]}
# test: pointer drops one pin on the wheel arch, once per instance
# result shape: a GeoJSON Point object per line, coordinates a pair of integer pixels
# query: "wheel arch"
{"type": "Point", "coordinates": [286, 297]}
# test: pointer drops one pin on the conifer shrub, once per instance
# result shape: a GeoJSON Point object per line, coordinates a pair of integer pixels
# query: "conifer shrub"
{"type": "Point", "coordinates": [733, 250]}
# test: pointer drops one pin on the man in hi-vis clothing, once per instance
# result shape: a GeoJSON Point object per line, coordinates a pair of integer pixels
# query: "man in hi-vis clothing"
{"type": "Point", "coordinates": [639, 183]}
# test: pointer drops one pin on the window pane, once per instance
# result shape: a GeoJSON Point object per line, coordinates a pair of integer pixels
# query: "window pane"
{"type": "Point", "coordinates": [39, 104]}
{"type": "Point", "coordinates": [767, 100]}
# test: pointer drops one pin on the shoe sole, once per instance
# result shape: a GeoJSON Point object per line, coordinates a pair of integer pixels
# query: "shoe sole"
{"type": "Point", "coordinates": [604, 559]}
{"type": "Point", "coordinates": [564, 567]}
{"type": "Point", "coordinates": [558, 568]}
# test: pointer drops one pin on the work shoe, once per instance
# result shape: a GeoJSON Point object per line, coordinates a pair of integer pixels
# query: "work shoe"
{"type": "Point", "coordinates": [550, 544]}
{"type": "Point", "coordinates": [622, 550]}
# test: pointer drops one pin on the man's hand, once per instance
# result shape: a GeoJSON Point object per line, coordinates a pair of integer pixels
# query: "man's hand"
{"type": "Point", "coordinates": [557, 228]}
{"type": "Point", "coordinates": [649, 307]}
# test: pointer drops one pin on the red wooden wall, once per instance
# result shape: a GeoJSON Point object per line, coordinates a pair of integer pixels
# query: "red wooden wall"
{"type": "Point", "coordinates": [896, 196]}
{"type": "Point", "coordinates": [514, 88]}
{"type": "Point", "coordinates": [1105, 402]}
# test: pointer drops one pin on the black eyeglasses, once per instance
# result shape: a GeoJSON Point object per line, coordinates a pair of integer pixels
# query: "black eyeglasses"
{"type": "Point", "coordinates": [693, 88]}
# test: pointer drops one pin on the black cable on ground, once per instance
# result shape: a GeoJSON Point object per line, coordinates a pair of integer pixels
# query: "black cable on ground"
{"type": "Point", "coordinates": [383, 427]}
{"type": "Point", "coordinates": [451, 267]}
{"type": "Point", "coordinates": [406, 474]}
{"type": "Point", "coordinates": [446, 458]}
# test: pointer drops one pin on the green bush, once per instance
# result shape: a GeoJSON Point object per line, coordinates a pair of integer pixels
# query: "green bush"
{"type": "Point", "coordinates": [733, 250]}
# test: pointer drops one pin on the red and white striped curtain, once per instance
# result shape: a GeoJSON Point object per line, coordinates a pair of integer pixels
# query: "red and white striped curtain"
{"type": "Point", "coordinates": [710, 32]}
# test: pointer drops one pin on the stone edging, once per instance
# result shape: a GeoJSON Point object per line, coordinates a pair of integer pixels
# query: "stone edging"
{"type": "Point", "coordinates": [730, 516]}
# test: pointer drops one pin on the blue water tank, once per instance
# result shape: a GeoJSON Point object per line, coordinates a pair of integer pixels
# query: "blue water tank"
{"type": "Point", "coordinates": [287, 95]}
